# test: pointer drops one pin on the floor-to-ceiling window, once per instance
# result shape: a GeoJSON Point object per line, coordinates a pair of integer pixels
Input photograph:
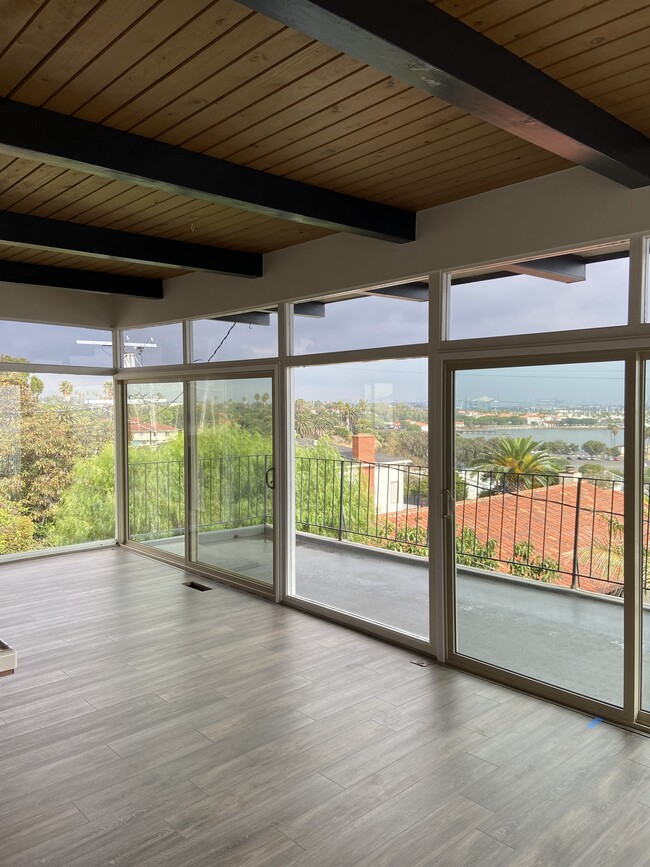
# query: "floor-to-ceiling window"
{"type": "Point", "coordinates": [156, 465]}
{"type": "Point", "coordinates": [540, 472]}
{"type": "Point", "coordinates": [234, 475]}
{"type": "Point", "coordinates": [57, 464]}
{"type": "Point", "coordinates": [539, 522]}
{"type": "Point", "coordinates": [539, 430]}
{"type": "Point", "coordinates": [200, 464]}
{"type": "Point", "coordinates": [361, 495]}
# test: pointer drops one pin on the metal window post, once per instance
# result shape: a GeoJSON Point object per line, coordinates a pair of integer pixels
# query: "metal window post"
{"type": "Point", "coordinates": [341, 513]}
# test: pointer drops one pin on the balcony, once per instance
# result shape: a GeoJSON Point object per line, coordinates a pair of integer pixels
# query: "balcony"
{"type": "Point", "coordinates": [539, 573]}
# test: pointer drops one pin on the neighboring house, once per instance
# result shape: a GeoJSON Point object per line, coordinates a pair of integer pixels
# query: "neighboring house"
{"type": "Point", "coordinates": [547, 519]}
{"type": "Point", "coordinates": [142, 433]}
{"type": "Point", "coordinates": [388, 475]}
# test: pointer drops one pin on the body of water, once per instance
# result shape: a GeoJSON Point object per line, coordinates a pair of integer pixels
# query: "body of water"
{"type": "Point", "coordinates": [579, 436]}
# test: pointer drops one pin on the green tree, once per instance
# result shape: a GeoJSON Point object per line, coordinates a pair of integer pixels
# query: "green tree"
{"type": "Point", "coordinates": [471, 449]}
{"type": "Point", "coordinates": [604, 559]}
{"type": "Point", "coordinates": [86, 512]}
{"type": "Point", "coordinates": [329, 488]}
{"type": "Point", "coordinates": [613, 429]}
{"type": "Point", "coordinates": [516, 462]}
{"type": "Point", "coordinates": [413, 445]}
{"type": "Point", "coordinates": [17, 531]}
{"type": "Point", "coordinates": [67, 390]}
{"type": "Point", "coordinates": [598, 475]}
{"type": "Point", "coordinates": [40, 443]}
{"type": "Point", "coordinates": [407, 540]}
{"type": "Point", "coordinates": [527, 564]}
{"type": "Point", "coordinates": [36, 385]}
{"type": "Point", "coordinates": [470, 551]}
{"type": "Point", "coordinates": [595, 448]}
{"type": "Point", "coordinates": [417, 487]}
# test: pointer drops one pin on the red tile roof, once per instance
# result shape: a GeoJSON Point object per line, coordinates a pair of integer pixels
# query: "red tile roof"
{"type": "Point", "coordinates": [138, 426]}
{"type": "Point", "coordinates": [545, 518]}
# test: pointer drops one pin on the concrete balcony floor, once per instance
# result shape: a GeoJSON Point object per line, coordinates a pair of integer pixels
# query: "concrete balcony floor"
{"type": "Point", "coordinates": [569, 639]}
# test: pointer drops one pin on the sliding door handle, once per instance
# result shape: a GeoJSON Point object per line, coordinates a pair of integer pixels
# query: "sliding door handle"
{"type": "Point", "coordinates": [448, 505]}
{"type": "Point", "coordinates": [269, 478]}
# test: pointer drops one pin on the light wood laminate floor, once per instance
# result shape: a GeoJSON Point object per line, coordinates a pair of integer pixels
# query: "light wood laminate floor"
{"type": "Point", "coordinates": [149, 724]}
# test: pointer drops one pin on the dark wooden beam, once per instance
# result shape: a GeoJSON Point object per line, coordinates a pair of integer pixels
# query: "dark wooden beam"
{"type": "Point", "coordinates": [56, 139]}
{"type": "Point", "coordinates": [422, 45]}
{"type": "Point", "coordinates": [98, 243]}
{"type": "Point", "coordinates": [407, 291]}
{"type": "Point", "coordinates": [254, 317]}
{"type": "Point", "coordinates": [87, 281]}
{"type": "Point", "coordinates": [563, 269]}
{"type": "Point", "coordinates": [315, 309]}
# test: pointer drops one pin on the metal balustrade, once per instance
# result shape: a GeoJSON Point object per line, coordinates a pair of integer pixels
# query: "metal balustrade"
{"type": "Point", "coordinates": [559, 528]}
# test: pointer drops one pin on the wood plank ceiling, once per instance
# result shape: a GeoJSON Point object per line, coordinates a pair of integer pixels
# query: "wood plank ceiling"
{"type": "Point", "coordinates": [213, 77]}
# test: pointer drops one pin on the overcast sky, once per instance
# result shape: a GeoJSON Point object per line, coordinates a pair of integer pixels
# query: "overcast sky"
{"type": "Point", "coordinates": [517, 304]}
{"type": "Point", "coordinates": [593, 384]}
{"type": "Point", "coordinates": [55, 344]}
{"type": "Point", "coordinates": [526, 305]}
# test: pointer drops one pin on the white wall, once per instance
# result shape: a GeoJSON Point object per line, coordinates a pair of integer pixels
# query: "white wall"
{"type": "Point", "coordinates": [28, 303]}
{"type": "Point", "coordinates": [567, 209]}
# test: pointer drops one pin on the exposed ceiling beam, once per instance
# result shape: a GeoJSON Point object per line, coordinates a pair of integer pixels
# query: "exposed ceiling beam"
{"type": "Point", "coordinates": [562, 269]}
{"type": "Point", "coordinates": [315, 309]}
{"type": "Point", "coordinates": [98, 243]}
{"type": "Point", "coordinates": [407, 291]}
{"type": "Point", "coordinates": [254, 317]}
{"type": "Point", "coordinates": [481, 277]}
{"type": "Point", "coordinates": [56, 139]}
{"type": "Point", "coordinates": [88, 281]}
{"type": "Point", "coordinates": [422, 45]}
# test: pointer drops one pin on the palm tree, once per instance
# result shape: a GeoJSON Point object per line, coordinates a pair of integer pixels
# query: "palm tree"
{"type": "Point", "coordinates": [519, 461]}
{"type": "Point", "coordinates": [613, 428]}
{"type": "Point", "coordinates": [604, 558]}
{"type": "Point", "coordinates": [66, 388]}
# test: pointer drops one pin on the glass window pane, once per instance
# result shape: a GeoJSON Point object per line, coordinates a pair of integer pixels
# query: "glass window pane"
{"type": "Point", "coordinates": [35, 343]}
{"type": "Point", "coordinates": [362, 323]}
{"type": "Point", "coordinates": [521, 304]}
{"type": "Point", "coordinates": [540, 522]}
{"type": "Point", "coordinates": [645, 540]}
{"type": "Point", "coordinates": [155, 345]}
{"type": "Point", "coordinates": [229, 341]}
{"type": "Point", "coordinates": [362, 490]}
{"type": "Point", "coordinates": [234, 475]}
{"type": "Point", "coordinates": [56, 461]}
{"type": "Point", "coordinates": [156, 474]}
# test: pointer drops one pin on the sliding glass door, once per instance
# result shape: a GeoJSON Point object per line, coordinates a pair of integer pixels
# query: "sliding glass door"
{"type": "Point", "coordinates": [361, 542]}
{"type": "Point", "coordinates": [233, 472]}
{"type": "Point", "coordinates": [155, 465]}
{"type": "Point", "coordinates": [201, 474]}
{"type": "Point", "coordinates": [539, 522]}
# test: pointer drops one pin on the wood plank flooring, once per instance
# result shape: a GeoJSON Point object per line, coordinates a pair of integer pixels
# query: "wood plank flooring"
{"type": "Point", "coordinates": [151, 724]}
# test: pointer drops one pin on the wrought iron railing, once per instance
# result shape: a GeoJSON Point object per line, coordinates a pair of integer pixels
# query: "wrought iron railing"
{"type": "Point", "coordinates": [230, 492]}
{"type": "Point", "coordinates": [384, 505]}
{"type": "Point", "coordinates": [379, 504]}
{"type": "Point", "coordinates": [156, 499]}
{"type": "Point", "coordinates": [560, 528]}
{"type": "Point", "coordinates": [563, 528]}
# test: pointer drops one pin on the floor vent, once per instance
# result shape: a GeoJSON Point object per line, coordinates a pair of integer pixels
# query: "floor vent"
{"type": "Point", "coordinates": [196, 586]}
